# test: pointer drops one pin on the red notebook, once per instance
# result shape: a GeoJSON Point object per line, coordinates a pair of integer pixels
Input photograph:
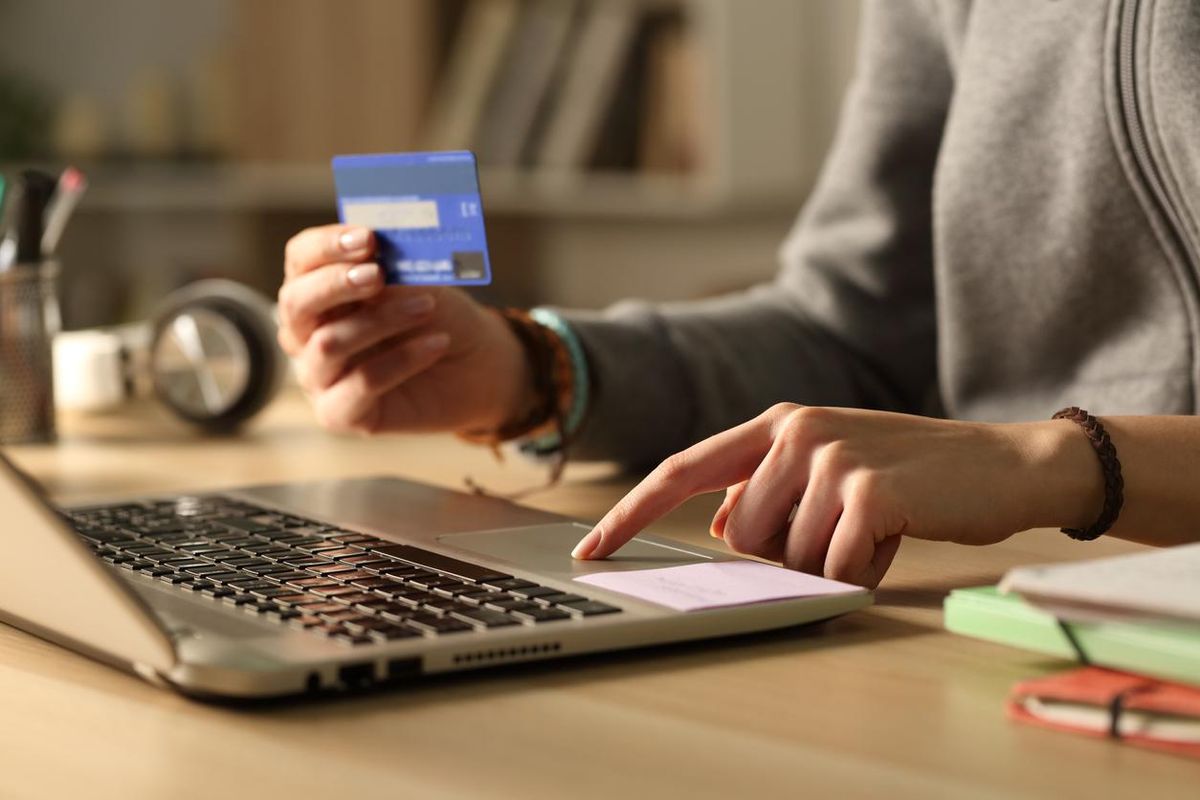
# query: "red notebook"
{"type": "Point", "coordinates": [1100, 702]}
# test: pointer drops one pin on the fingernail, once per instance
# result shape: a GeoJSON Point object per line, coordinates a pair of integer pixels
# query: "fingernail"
{"type": "Point", "coordinates": [587, 544]}
{"type": "Point", "coordinates": [353, 239]}
{"type": "Point", "coordinates": [418, 304]}
{"type": "Point", "coordinates": [363, 274]}
{"type": "Point", "coordinates": [432, 343]}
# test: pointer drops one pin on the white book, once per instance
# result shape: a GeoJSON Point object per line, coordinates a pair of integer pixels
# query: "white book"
{"type": "Point", "coordinates": [605, 43]}
{"type": "Point", "coordinates": [476, 54]}
{"type": "Point", "coordinates": [1162, 583]}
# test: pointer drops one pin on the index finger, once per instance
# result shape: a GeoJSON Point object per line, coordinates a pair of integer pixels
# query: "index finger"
{"type": "Point", "coordinates": [326, 244]}
{"type": "Point", "coordinates": [715, 463]}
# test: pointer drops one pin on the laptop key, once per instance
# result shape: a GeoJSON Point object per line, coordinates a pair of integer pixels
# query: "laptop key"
{"type": "Point", "coordinates": [373, 605]}
{"type": "Point", "coordinates": [531, 592]}
{"type": "Point", "coordinates": [413, 599]}
{"type": "Point", "coordinates": [376, 565]}
{"type": "Point", "coordinates": [429, 624]}
{"type": "Point", "coordinates": [406, 572]}
{"type": "Point", "coordinates": [479, 597]}
{"type": "Point", "coordinates": [105, 537]}
{"type": "Point", "coordinates": [372, 582]}
{"type": "Point", "coordinates": [349, 537]}
{"type": "Point", "coordinates": [288, 577]}
{"type": "Point", "coordinates": [433, 583]}
{"type": "Point", "coordinates": [360, 557]}
{"type": "Point", "coordinates": [272, 592]}
{"type": "Point", "coordinates": [539, 614]}
{"type": "Point", "coordinates": [364, 626]}
{"type": "Point", "coordinates": [358, 597]}
{"type": "Point", "coordinates": [560, 598]}
{"type": "Point", "coordinates": [440, 606]}
{"type": "Point", "coordinates": [396, 614]}
{"type": "Point", "coordinates": [455, 589]}
{"type": "Point", "coordinates": [588, 608]}
{"type": "Point", "coordinates": [345, 637]}
{"type": "Point", "coordinates": [242, 524]}
{"type": "Point", "coordinates": [326, 608]}
{"type": "Point", "coordinates": [342, 552]}
{"type": "Point", "coordinates": [335, 590]}
{"type": "Point", "coordinates": [508, 584]}
{"type": "Point", "coordinates": [483, 618]}
{"type": "Point", "coordinates": [271, 571]}
{"type": "Point", "coordinates": [353, 575]}
{"type": "Point", "coordinates": [511, 604]}
{"type": "Point", "coordinates": [328, 567]}
{"type": "Point", "coordinates": [392, 633]}
{"type": "Point", "coordinates": [440, 563]}
{"type": "Point", "coordinates": [310, 582]}
{"type": "Point", "coordinates": [293, 599]}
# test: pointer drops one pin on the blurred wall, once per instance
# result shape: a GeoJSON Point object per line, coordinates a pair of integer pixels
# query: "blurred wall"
{"type": "Point", "coordinates": [124, 253]}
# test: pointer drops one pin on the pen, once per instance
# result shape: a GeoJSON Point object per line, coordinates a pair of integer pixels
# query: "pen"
{"type": "Point", "coordinates": [8, 246]}
{"type": "Point", "coordinates": [71, 186]}
{"type": "Point", "coordinates": [30, 214]}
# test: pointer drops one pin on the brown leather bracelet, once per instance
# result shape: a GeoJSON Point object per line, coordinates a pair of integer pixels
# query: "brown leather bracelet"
{"type": "Point", "coordinates": [1110, 465]}
{"type": "Point", "coordinates": [553, 395]}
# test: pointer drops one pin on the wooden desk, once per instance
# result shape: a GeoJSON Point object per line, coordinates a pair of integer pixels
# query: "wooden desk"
{"type": "Point", "coordinates": [880, 703]}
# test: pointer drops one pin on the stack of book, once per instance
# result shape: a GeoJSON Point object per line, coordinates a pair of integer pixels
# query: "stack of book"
{"type": "Point", "coordinates": [569, 85]}
{"type": "Point", "coordinates": [547, 86]}
{"type": "Point", "coordinates": [1134, 621]}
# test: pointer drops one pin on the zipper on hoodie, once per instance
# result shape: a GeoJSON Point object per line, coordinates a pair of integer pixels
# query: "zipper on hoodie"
{"type": "Point", "coordinates": [1135, 130]}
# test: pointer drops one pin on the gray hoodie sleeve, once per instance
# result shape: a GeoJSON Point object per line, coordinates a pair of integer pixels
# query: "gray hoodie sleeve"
{"type": "Point", "coordinates": [849, 319]}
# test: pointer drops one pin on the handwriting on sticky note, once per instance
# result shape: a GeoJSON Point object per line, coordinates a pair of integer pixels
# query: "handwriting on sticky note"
{"type": "Point", "coordinates": [715, 584]}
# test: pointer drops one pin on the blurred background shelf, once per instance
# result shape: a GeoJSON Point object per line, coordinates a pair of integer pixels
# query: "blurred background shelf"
{"type": "Point", "coordinates": [658, 148]}
{"type": "Point", "coordinates": [149, 187]}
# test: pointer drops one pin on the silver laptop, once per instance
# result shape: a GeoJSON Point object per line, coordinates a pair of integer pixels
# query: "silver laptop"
{"type": "Point", "coordinates": [310, 588]}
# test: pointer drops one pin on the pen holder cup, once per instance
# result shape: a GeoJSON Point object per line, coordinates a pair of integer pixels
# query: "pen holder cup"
{"type": "Point", "coordinates": [29, 319]}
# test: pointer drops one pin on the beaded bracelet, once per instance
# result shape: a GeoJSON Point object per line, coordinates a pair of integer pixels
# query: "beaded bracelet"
{"type": "Point", "coordinates": [579, 380]}
{"type": "Point", "coordinates": [1114, 484]}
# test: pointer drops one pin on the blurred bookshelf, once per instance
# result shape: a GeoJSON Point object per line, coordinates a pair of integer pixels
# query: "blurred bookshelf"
{"type": "Point", "coordinates": [588, 116]}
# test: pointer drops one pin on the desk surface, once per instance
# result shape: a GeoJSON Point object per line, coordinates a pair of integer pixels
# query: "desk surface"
{"type": "Point", "coordinates": [878, 703]}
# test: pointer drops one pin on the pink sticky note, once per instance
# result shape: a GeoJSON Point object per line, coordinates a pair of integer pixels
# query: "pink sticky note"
{"type": "Point", "coordinates": [715, 584]}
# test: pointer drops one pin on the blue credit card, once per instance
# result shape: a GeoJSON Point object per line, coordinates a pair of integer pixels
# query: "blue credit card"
{"type": "Point", "coordinates": [425, 210]}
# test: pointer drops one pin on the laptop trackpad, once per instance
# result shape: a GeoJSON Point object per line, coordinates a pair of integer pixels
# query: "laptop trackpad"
{"type": "Point", "coordinates": [547, 549]}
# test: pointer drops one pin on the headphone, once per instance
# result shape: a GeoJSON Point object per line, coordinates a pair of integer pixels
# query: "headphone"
{"type": "Point", "coordinates": [208, 354]}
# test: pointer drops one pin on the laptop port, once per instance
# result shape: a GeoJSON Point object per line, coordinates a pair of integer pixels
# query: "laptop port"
{"type": "Point", "coordinates": [399, 668]}
{"type": "Point", "coordinates": [357, 676]}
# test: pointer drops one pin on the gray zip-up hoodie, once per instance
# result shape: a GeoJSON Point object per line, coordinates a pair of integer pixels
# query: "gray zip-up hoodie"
{"type": "Point", "coordinates": [1007, 223]}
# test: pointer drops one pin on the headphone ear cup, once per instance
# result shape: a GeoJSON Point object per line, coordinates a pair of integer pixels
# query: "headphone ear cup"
{"type": "Point", "coordinates": [248, 313]}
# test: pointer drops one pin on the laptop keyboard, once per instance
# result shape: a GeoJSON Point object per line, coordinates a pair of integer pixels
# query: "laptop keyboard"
{"type": "Point", "coordinates": [349, 586]}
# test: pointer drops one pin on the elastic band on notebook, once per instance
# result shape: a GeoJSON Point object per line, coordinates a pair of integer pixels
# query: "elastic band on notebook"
{"type": "Point", "coordinates": [1114, 713]}
{"type": "Point", "coordinates": [1117, 707]}
{"type": "Point", "coordinates": [1069, 634]}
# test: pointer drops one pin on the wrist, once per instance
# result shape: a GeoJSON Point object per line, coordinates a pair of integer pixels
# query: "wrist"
{"type": "Point", "coordinates": [527, 399]}
{"type": "Point", "coordinates": [1064, 483]}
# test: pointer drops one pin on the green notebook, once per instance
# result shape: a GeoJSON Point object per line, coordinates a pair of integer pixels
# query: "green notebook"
{"type": "Point", "coordinates": [1164, 650]}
